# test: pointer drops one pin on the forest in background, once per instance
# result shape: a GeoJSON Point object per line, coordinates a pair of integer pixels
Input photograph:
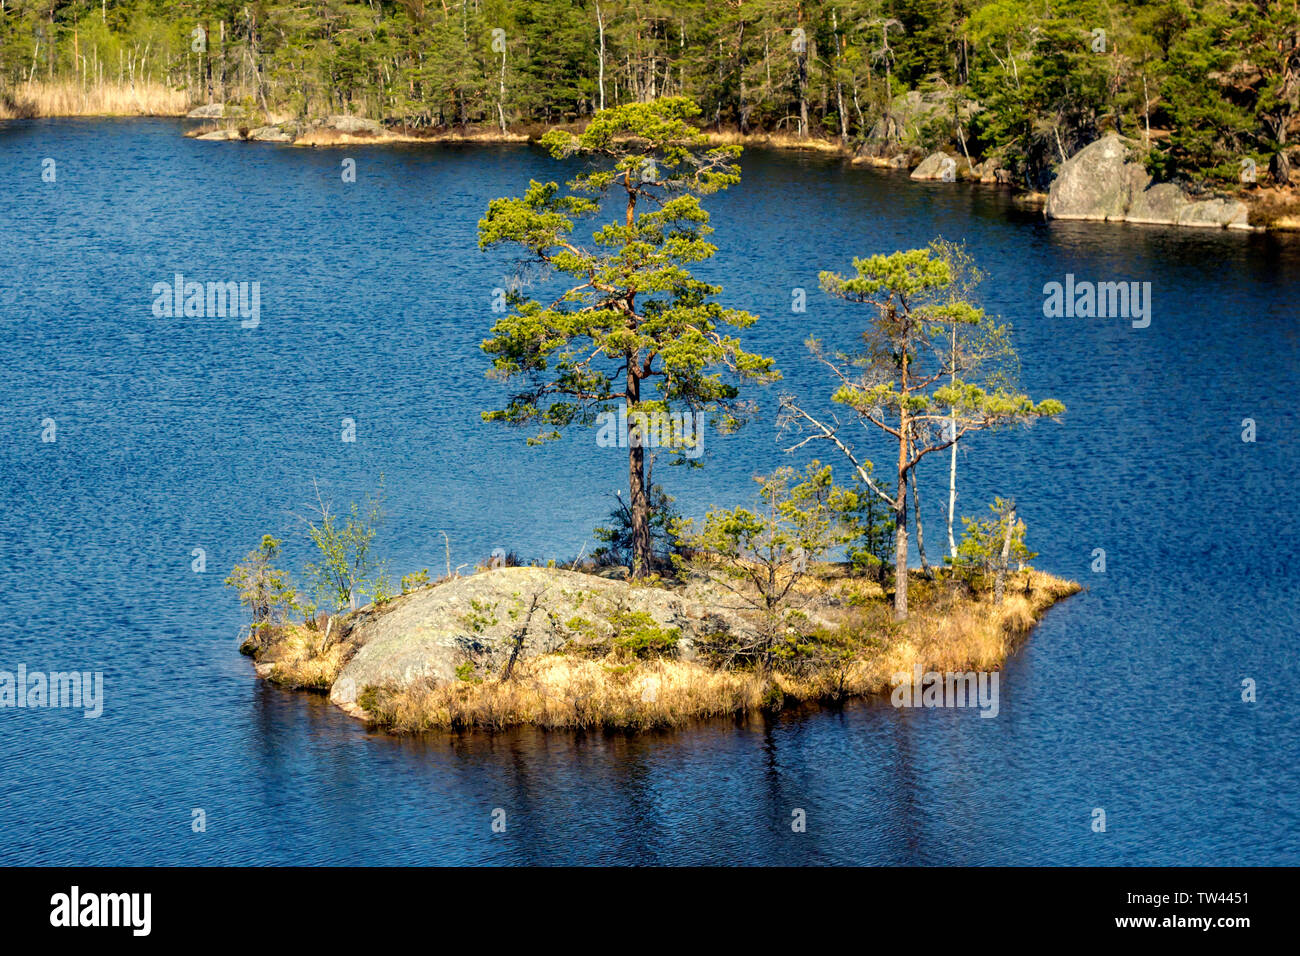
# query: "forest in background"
{"type": "Point", "coordinates": [1203, 84]}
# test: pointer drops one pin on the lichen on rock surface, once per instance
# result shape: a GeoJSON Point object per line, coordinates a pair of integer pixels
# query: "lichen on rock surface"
{"type": "Point", "coordinates": [476, 622]}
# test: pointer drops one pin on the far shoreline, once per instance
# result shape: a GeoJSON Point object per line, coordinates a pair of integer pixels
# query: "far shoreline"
{"type": "Point", "coordinates": [1271, 211]}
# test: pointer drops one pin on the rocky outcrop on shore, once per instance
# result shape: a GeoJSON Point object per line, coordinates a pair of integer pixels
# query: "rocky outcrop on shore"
{"type": "Point", "coordinates": [938, 167]}
{"type": "Point", "coordinates": [259, 134]}
{"type": "Point", "coordinates": [1102, 182]}
{"type": "Point", "coordinates": [949, 168]}
{"type": "Point", "coordinates": [270, 134]}
{"type": "Point", "coordinates": [353, 125]}
{"type": "Point", "coordinates": [435, 633]}
{"type": "Point", "coordinates": [209, 111]}
{"type": "Point", "coordinates": [330, 131]}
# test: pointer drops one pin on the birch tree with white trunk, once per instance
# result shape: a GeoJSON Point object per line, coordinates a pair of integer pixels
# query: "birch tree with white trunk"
{"type": "Point", "coordinates": [901, 384]}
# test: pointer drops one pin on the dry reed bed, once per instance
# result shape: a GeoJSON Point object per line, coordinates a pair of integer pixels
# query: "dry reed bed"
{"type": "Point", "coordinates": [43, 98]}
{"type": "Point", "coordinates": [776, 141]}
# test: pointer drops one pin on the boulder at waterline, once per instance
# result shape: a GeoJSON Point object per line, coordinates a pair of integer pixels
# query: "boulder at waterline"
{"type": "Point", "coordinates": [1104, 182]}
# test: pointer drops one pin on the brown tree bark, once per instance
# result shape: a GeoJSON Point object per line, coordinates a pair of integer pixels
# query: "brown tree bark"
{"type": "Point", "coordinates": [639, 505]}
{"type": "Point", "coordinates": [900, 519]}
{"type": "Point", "coordinates": [900, 550]}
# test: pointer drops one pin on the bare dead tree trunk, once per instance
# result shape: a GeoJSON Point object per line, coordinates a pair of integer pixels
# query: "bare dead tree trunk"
{"type": "Point", "coordinates": [207, 62]}
{"type": "Point", "coordinates": [742, 114]}
{"type": "Point", "coordinates": [839, 79]}
{"type": "Point", "coordinates": [1000, 581]}
{"type": "Point", "coordinates": [501, 108]}
{"type": "Point", "coordinates": [952, 499]}
{"type": "Point", "coordinates": [952, 470]}
{"type": "Point", "coordinates": [225, 86]}
{"type": "Point", "coordinates": [900, 505]}
{"type": "Point", "coordinates": [802, 59]}
{"type": "Point", "coordinates": [600, 25]}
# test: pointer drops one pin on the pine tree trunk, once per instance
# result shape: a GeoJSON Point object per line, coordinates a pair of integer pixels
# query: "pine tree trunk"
{"type": "Point", "coordinates": [900, 551]}
{"type": "Point", "coordinates": [900, 528]}
{"type": "Point", "coordinates": [639, 500]}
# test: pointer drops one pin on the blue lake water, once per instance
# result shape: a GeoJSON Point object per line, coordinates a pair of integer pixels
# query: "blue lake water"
{"type": "Point", "coordinates": [175, 434]}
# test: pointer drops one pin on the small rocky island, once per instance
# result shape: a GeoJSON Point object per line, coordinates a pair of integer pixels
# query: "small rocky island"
{"type": "Point", "coordinates": [560, 648]}
{"type": "Point", "coordinates": [800, 592]}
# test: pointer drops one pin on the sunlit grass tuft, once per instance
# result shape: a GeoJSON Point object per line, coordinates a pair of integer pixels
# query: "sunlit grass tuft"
{"type": "Point", "coordinates": [296, 656]}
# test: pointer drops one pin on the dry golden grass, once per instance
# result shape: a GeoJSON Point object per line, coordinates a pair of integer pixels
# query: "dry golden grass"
{"type": "Point", "coordinates": [70, 98]}
{"type": "Point", "coordinates": [775, 141]}
{"type": "Point", "coordinates": [879, 162]}
{"type": "Point", "coordinates": [298, 657]}
{"type": "Point", "coordinates": [946, 631]}
{"type": "Point", "coordinates": [960, 633]}
{"type": "Point", "coordinates": [1274, 208]}
{"type": "Point", "coordinates": [557, 691]}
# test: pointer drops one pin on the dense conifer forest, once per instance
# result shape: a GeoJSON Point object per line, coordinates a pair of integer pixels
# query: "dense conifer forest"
{"type": "Point", "coordinates": [1204, 84]}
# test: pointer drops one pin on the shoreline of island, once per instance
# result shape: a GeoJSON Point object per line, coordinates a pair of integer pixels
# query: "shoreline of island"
{"type": "Point", "coordinates": [610, 654]}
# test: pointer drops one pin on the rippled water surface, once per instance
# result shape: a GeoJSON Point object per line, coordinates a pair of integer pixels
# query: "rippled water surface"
{"type": "Point", "coordinates": [175, 434]}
